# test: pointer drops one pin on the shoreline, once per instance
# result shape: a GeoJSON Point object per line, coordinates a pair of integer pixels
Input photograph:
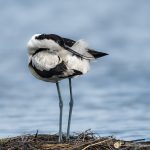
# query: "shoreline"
{"type": "Point", "coordinates": [81, 141]}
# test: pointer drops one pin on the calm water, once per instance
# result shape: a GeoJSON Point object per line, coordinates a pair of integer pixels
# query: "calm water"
{"type": "Point", "coordinates": [112, 99]}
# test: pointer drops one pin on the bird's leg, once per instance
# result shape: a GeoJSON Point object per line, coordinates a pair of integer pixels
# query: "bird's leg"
{"type": "Point", "coordinates": [70, 108]}
{"type": "Point", "coordinates": [61, 111]}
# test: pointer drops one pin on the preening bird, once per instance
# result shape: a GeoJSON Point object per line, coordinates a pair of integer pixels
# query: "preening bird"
{"type": "Point", "coordinates": [53, 58]}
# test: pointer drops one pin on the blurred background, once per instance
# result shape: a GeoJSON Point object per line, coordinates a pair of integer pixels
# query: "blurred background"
{"type": "Point", "coordinates": [112, 99]}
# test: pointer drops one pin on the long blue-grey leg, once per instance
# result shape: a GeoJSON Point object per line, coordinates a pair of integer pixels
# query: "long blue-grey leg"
{"type": "Point", "coordinates": [61, 112]}
{"type": "Point", "coordinates": [70, 109]}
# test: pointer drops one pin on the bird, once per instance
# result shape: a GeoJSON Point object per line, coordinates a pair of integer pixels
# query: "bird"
{"type": "Point", "coordinates": [52, 58]}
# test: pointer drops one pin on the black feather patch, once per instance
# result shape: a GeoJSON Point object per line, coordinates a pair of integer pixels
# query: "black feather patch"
{"type": "Point", "coordinates": [58, 70]}
{"type": "Point", "coordinates": [69, 42]}
{"type": "Point", "coordinates": [76, 72]}
{"type": "Point", "coordinates": [40, 50]}
{"type": "Point", "coordinates": [53, 37]}
{"type": "Point", "coordinates": [96, 54]}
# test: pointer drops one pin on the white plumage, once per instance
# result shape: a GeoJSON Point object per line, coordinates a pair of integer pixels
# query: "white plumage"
{"type": "Point", "coordinates": [34, 44]}
{"type": "Point", "coordinates": [80, 46]}
{"type": "Point", "coordinates": [45, 60]}
{"type": "Point", "coordinates": [73, 62]}
{"type": "Point", "coordinates": [55, 54]}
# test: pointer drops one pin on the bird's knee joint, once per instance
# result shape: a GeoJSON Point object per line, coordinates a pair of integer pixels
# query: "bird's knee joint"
{"type": "Point", "coordinates": [60, 104]}
{"type": "Point", "coordinates": [71, 104]}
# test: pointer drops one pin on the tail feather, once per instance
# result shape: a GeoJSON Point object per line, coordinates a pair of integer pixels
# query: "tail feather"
{"type": "Point", "coordinates": [96, 54]}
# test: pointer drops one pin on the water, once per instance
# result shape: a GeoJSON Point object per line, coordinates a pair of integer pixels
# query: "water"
{"type": "Point", "coordinates": [112, 99]}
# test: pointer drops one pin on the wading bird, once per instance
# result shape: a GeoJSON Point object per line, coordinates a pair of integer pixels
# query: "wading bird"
{"type": "Point", "coordinates": [53, 58]}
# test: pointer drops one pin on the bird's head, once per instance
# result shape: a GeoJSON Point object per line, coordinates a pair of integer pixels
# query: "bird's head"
{"type": "Point", "coordinates": [42, 41]}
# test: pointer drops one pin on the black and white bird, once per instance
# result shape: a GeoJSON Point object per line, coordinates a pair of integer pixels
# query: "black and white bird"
{"type": "Point", "coordinates": [53, 58]}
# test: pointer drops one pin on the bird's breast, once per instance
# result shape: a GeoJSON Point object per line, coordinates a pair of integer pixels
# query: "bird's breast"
{"type": "Point", "coordinates": [45, 60]}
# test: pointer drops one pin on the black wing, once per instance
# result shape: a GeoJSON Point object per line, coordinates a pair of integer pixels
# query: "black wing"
{"type": "Point", "coordinates": [67, 43]}
{"type": "Point", "coordinates": [94, 53]}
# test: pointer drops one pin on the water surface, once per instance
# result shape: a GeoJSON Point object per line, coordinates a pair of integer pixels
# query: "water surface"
{"type": "Point", "coordinates": [112, 99]}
